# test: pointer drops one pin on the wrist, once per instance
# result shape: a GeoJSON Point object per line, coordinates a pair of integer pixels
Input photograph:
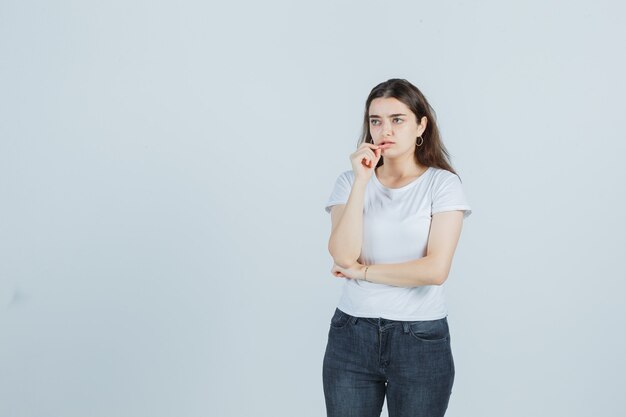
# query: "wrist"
{"type": "Point", "coordinates": [364, 272]}
{"type": "Point", "coordinates": [361, 181]}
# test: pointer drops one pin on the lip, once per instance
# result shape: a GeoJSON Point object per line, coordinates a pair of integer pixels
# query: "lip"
{"type": "Point", "coordinates": [386, 143]}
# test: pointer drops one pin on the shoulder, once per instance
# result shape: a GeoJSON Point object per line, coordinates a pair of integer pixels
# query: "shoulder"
{"type": "Point", "coordinates": [347, 176]}
{"type": "Point", "coordinates": [442, 175]}
{"type": "Point", "coordinates": [442, 178]}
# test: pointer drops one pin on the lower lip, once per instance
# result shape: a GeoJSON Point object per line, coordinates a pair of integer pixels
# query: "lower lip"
{"type": "Point", "coordinates": [386, 145]}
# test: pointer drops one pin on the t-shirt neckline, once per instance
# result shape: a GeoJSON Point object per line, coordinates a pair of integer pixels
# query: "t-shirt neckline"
{"type": "Point", "coordinates": [404, 187]}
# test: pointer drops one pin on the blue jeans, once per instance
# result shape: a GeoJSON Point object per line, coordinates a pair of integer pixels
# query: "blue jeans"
{"type": "Point", "coordinates": [408, 361]}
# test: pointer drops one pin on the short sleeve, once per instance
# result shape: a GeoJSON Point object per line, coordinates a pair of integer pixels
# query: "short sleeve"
{"type": "Point", "coordinates": [341, 191]}
{"type": "Point", "coordinates": [448, 195]}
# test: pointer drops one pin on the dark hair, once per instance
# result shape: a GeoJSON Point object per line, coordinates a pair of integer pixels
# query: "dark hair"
{"type": "Point", "coordinates": [432, 152]}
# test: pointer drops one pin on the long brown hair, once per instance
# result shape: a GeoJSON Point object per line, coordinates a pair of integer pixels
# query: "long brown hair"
{"type": "Point", "coordinates": [432, 152]}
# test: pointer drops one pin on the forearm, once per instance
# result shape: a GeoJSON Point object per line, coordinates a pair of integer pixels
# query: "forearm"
{"type": "Point", "coordinates": [415, 273]}
{"type": "Point", "coordinates": [346, 240]}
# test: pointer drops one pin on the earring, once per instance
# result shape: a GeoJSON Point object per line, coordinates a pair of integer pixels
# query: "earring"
{"type": "Point", "coordinates": [420, 142]}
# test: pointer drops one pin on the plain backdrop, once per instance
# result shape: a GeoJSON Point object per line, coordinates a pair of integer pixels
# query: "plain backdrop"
{"type": "Point", "coordinates": [164, 167]}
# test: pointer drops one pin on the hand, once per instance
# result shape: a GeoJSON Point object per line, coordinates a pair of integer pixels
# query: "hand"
{"type": "Point", "coordinates": [355, 271]}
{"type": "Point", "coordinates": [365, 159]}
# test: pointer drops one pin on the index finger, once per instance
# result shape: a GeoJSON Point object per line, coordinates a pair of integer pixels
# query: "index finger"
{"type": "Point", "coordinates": [369, 145]}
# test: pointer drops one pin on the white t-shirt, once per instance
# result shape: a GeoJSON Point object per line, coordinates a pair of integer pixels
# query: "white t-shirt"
{"type": "Point", "coordinates": [396, 225]}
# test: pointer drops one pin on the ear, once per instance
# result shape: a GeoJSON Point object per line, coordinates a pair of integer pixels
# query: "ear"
{"type": "Point", "coordinates": [423, 124]}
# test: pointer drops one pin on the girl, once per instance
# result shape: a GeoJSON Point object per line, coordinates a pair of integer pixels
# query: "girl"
{"type": "Point", "coordinates": [396, 220]}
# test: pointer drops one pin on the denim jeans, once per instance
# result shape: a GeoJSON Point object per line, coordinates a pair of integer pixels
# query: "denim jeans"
{"type": "Point", "coordinates": [366, 359]}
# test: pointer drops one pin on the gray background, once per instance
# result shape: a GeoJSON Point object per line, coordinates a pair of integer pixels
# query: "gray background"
{"type": "Point", "coordinates": [163, 172]}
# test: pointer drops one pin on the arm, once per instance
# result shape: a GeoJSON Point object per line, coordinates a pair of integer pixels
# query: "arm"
{"type": "Point", "coordinates": [432, 269]}
{"type": "Point", "coordinates": [346, 236]}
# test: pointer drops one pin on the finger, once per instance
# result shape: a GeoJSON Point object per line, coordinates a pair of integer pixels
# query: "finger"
{"type": "Point", "coordinates": [368, 145]}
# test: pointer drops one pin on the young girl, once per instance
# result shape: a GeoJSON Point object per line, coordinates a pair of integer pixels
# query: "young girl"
{"type": "Point", "coordinates": [396, 220]}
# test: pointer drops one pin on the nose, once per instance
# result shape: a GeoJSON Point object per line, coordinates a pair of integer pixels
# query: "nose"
{"type": "Point", "coordinates": [387, 128]}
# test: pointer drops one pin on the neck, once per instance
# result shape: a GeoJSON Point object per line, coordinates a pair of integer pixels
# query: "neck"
{"type": "Point", "coordinates": [392, 168]}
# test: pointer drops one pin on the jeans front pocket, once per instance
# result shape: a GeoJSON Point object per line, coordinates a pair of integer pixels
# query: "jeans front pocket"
{"type": "Point", "coordinates": [339, 319]}
{"type": "Point", "coordinates": [430, 331]}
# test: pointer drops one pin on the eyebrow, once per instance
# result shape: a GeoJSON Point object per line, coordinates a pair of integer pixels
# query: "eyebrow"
{"type": "Point", "coordinates": [391, 115]}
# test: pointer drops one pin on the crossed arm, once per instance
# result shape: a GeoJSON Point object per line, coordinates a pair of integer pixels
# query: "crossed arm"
{"type": "Point", "coordinates": [432, 269]}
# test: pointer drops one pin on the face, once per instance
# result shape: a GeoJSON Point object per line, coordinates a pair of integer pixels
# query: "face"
{"type": "Point", "coordinates": [390, 120]}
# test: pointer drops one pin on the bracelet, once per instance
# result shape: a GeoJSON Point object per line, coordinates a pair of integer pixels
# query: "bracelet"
{"type": "Point", "coordinates": [365, 275]}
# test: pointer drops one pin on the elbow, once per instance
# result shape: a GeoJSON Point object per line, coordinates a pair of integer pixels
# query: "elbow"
{"type": "Point", "coordinates": [331, 249]}
{"type": "Point", "coordinates": [341, 260]}
{"type": "Point", "coordinates": [344, 263]}
{"type": "Point", "coordinates": [442, 271]}
{"type": "Point", "coordinates": [442, 276]}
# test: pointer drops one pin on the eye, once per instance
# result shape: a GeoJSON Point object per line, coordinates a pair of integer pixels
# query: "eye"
{"type": "Point", "coordinates": [398, 118]}
{"type": "Point", "coordinates": [374, 121]}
